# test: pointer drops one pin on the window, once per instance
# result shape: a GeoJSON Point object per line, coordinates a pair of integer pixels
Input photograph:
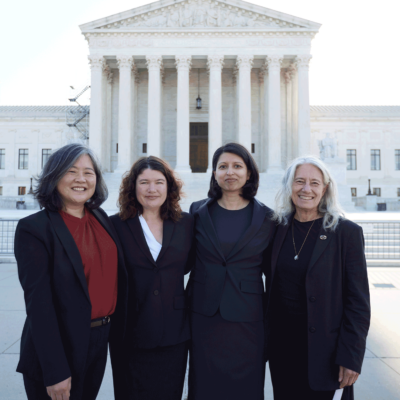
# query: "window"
{"type": "Point", "coordinates": [2, 158]}
{"type": "Point", "coordinates": [144, 148]}
{"type": "Point", "coordinates": [21, 190]}
{"type": "Point", "coordinates": [353, 192]}
{"type": "Point", "coordinates": [375, 160]}
{"type": "Point", "coordinates": [1, 190]}
{"type": "Point", "coordinates": [23, 159]}
{"type": "Point", "coordinates": [117, 148]}
{"type": "Point", "coordinates": [397, 160]}
{"type": "Point", "coordinates": [253, 148]}
{"type": "Point", "coordinates": [351, 159]}
{"type": "Point", "coordinates": [398, 192]}
{"type": "Point", "coordinates": [45, 156]}
{"type": "Point", "coordinates": [376, 191]}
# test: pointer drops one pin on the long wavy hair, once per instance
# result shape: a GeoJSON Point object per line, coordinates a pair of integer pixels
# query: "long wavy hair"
{"type": "Point", "coordinates": [127, 201]}
{"type": "Point", "coordinates": [329, 205]}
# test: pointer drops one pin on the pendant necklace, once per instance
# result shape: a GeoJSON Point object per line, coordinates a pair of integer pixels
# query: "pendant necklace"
{"type": "Point", "coordinates": [296, 257]}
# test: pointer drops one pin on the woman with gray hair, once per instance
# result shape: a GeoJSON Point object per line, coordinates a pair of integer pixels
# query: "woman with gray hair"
{"type": "Point", "coordinates": [318, 311]}
{"type": "Point", "coordinates": [72, 272]}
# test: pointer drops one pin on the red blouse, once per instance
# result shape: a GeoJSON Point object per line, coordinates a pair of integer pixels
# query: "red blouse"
{"type": "Point", "coordinates": [100, 261]}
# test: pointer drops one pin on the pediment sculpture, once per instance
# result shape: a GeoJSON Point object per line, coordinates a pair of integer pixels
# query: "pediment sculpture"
{"type": "Point", "coordinates": [200, 14]}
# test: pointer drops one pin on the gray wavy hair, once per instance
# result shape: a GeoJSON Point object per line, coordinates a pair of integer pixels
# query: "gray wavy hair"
{"type": "Point", "coordinates": [329, 205]}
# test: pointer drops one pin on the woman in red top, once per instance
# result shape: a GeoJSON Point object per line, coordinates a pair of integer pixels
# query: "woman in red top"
{"type": "Point", "coordinates": [74, 280]}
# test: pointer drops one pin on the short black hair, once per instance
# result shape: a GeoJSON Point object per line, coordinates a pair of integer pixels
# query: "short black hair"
{"type": "Point", "coordinates": [251, 186]}
{"type": "Point", "coordinates": [56, 167]}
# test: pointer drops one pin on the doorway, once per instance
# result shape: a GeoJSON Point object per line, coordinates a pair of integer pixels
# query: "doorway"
{"type": "Point", "coordinates": [199, 146]}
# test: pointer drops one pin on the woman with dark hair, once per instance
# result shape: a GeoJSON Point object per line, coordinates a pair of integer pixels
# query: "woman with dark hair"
{"type": "Point", "coordinates": [72, 272]}
{"type": "Point", "coordinates": [232, 233]}
{"type": "Point", "coordinates": [156, 238]}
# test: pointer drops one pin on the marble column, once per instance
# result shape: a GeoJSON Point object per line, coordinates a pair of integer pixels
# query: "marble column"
{"type": "Point", "coordinates": [154, 65]}
{"type": "Point", "coordinates": [304, 131]}
{"type": "Point", "coordinates": [97, 64]}
{"type": "Point", "coordinates": [215, 64]}
{"type": "Point", "coordinates": [125, 64]}
{"type": "Point", "coordinates": [108, 119]}
{"type": "Point", "coordinates": [289, 111]}
{"type": "Point", "coordinates": [274, 113]}
{"type": "Point", "coordinates": [264, 158]}
{"type": "Point", "coordinates": [244, 64]}
{"type": "Point", "coordinates": [183, 64]}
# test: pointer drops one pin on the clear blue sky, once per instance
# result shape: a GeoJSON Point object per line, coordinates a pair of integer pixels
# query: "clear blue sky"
{"type": "Point", "coordinates": [356, 54]}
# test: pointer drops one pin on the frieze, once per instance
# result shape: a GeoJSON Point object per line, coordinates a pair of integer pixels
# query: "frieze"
{"type": "Point", "coordinates": [132, 42]}
{"type": "Point", "coordinates": [200, 14]}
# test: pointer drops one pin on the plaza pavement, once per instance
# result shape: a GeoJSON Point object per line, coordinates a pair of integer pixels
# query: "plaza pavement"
{"type": "Point", "coordinates": [380, 378]}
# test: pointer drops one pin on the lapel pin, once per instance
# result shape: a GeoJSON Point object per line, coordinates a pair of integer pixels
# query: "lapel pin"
{"type": "Point", "coordinates": [322, 237]}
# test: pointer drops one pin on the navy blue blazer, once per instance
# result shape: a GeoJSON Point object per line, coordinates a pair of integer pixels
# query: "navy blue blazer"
{"type": "Point", "coordinates": [55, 337]}
{"type": "Point", "coordinates": [157, 311]}
{"type": "Point", "coordinates": [338, 306]}
{"type": "Point", "coordinates": [233, 283]}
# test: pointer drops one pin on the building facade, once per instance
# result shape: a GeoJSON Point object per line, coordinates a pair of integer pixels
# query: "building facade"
{"type": "Point", "coordinates": [177, 79]}
{"type": "Point", "coordinates": [248, 64]}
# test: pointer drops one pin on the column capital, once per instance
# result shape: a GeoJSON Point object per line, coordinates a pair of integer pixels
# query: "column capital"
{"type": "Point", "coordinates": [215, 61]}
{"type": "Point", "coordinates": [303, 60]}
{"type": "Point", "coordinates": [244, 61]}
{"type": "Point", "coordinates": [274, 61]}
{"type": "Point", "coordinates": [154, 62]}
{"type": "Point", "coordinates": [125, 61]}
{"type": "Point", "coordinates": [183, 62]}
{"type": "Point", "coordinates": [96, 61]}
{"type": "Point", "coordinates": [289, 72]}
{"type": "Point", "coordinates": [107, 73]}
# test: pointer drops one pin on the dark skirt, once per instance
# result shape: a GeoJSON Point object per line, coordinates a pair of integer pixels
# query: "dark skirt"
{"type": "Point", "coordinates": [288, 361]}
{"type": "Point", "coordinates": [157, 373]}
{"type": "Point", "coordinates": [226, 359]}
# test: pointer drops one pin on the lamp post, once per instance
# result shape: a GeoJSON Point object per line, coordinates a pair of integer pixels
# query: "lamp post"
{"type": "Point", "coordinates": [198, 100]}
{"type": "Point", "coordinates": [369, 188]}
{"type": "Point", "coordinates": [31, 190]}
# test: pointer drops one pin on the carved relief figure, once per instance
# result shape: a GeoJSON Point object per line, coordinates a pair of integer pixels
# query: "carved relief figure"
{"type": "Point", "coordinates": [186, 16]}
{"type": "Point", "coordinates": [328, 147]}
{"type": "Point", "coordinates": [199, 14]}
{"type": "Point", "coordinates": [212, 16]}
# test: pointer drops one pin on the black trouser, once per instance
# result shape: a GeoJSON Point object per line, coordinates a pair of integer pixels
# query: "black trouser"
{"type": "Point", "coordinates": [84, 387]}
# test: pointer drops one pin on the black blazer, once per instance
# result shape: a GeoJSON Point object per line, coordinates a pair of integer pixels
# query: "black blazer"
{"type": "Point", "coordinates": [232, 284]}
{"type": "Point", "coordinates": [338, 307]}
{"type": "Point", "coordinates": [157, 313]}
{"type": "Point", "coordinates": [56, 333]}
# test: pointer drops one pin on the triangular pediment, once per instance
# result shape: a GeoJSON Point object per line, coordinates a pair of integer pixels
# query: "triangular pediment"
{"type": "Point", "coordinates": [199, 14]}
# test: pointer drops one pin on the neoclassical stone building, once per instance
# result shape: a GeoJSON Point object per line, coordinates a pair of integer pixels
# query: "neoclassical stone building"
{"type": "Point", "coordinates": [177, 79]}
{"type": "Point", "coordinates": [248, 64]}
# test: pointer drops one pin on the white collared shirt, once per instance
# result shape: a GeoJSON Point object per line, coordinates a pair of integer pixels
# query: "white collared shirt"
{"type": "Point", "coordinates": [154, 246]}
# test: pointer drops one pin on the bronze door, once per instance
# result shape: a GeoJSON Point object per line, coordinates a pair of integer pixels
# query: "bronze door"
{"type": "Point", "coordinates": [199, 146]}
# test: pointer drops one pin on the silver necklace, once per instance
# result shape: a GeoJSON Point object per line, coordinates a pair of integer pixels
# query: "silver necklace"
{"type": "Point", "coordinates": [296, 257]}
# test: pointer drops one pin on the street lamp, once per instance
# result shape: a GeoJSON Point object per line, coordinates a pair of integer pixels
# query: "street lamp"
{"type": "Point", "coordinates": [198, 100]}
{"type": "Point", "coordinates": [369, 188]}
{"type": "Point", "coordinates": [31, 190]}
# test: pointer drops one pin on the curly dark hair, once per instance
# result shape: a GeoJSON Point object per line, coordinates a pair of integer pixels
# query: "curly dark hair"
{"type": "Point", "coordinates": [128, 203]}
{"type": "Point", "coordinates": [250, 188]}
{"type": "Point", "coordinates": [56, 167]}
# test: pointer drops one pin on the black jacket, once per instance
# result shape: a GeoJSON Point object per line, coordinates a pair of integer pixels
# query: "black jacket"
{"type": "Point", "coordinates": [338, 307]}
{"type": "Point", "coordinates": [157, 313]}
{"type": "Point", "coordinates": [56, 333]}
{"type": "Point", "coordinates": [232, 284]}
